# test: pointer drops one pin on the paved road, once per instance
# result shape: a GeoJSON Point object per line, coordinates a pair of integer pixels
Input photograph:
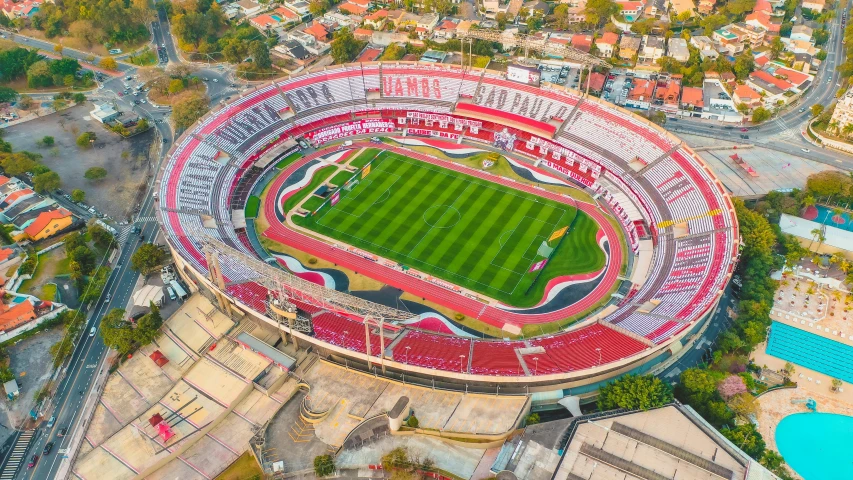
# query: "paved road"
{"type": "Point", "coordinates": [782, 133]}
{"type": "Point", "coordinates": [68, 52]}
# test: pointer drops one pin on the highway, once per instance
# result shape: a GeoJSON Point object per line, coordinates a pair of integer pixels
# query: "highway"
{"type": "Point", "coordinates": [783, 132]}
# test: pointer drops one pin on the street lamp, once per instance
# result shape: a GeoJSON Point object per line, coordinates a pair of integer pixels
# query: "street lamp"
{"type": "Point", "coordinates": [536, 365]}
{"type": "Point", "coordinates": [461, 363]}
{"type": "Point", "coordinates": [407, 354]}
{"type": "Point", "coordinates": [599, 355]}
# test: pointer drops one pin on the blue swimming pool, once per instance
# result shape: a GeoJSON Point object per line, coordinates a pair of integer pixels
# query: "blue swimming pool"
{"type": "Point", "coordinates": [817, 445]}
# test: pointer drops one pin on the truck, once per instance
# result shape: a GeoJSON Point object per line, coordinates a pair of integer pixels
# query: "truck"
{"type": "Point", "coordinates": [179, 290]}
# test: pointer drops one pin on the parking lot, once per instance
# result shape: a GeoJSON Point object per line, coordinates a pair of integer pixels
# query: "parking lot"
{"type": "Point", "coordinates": [126, 160]}
{"type": "Point", "coordinates": [558, 75]}
{"type": "Point", "coordinates": [616, 88]}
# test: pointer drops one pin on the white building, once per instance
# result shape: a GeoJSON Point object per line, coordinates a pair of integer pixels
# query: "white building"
{"type": "Point", "coordinates": [843, 113]}
{"type": "Point", "coordinates": [678, 49]}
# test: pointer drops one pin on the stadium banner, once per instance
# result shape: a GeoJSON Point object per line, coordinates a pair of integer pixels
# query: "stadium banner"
{"type": "Point", "coordinates": [361, 127]}
{"type": "Point", "coordinates": [522, 74]}
{"type": "Point", "coordinates": [538, 265]}
{"type": "Point", "coordinates": [366, 170]}
{"type": "Point", "coordinates": [336, 197]}
{"type": "Point", "coordinates": [557, 234]}
{"type": "Point", "coordinates": [433, 133]}
{"type": "Point", "coordinates": [565, 171]}
{"type": "Point", "coordinates": [443, 119]}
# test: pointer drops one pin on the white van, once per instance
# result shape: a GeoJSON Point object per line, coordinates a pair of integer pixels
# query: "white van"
{"type": "Point", "coordinates": [172, 295]}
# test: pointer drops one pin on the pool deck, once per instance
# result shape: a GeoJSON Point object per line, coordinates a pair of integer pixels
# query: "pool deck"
{"type": "Point", "coordinates": [776, 405]}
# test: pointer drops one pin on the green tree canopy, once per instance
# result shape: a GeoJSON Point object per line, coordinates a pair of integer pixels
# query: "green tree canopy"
{"type": "Point", "coordinates": [7, 94]}
{"type": "Point", "coordinates": [147, 257]}
{"type": "Point", "coordinates": [345, 47]}
{"type": "Point", "coordinates": [747, 438]}
{"type": "Point", "coordinates": [95, 173]}
{"type": "Point", "coordinates": [78, 195]}
{"type": "Point", "coordinates": [46, 182]}
{"type": "Point", "coordinates": [598, 12]}
{"type": "Point", "coordinates": [634, 392]}
{"type": "Point", "coordinates": [760, 115]}
{"type": "Point", "coordinates": [189, 109]}
{"type": "Point", "coordinates": [15, 164]}
{"type": "Point", "coordinates": [86, 139]}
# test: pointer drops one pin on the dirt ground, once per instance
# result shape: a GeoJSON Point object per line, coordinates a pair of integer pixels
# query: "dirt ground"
{"type": "Point", "coordinates": [32, 366]}
{"type": "Point", "coordinates": [117, 194]}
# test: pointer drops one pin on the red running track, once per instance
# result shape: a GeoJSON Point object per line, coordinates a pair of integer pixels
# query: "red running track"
{"type": "Point", "coordinates": [281, 233]}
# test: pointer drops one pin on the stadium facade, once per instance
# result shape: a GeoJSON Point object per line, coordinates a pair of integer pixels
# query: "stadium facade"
{"type": "Point", "coordinates": [677, 220]}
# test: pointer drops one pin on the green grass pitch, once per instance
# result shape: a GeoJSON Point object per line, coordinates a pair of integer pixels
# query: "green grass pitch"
{"type": "Point", "coordinates": [464, 230]}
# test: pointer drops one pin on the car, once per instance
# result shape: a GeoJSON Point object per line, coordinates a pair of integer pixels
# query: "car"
{"type": "Point", "coordinates": [745, 137]}
{"type": "Point", "coordinates": [805, 150]}
{"type": "Point", "coordinates": [828, 81]}
{"type": "Point", "coordinates": [128, 78]}
{"type": "Point", "coordinates": [62, 432]}
{"type": "Point", "coordinates": [165, 140]}
{"type": "Point", "coordinates": [143, 101]}
{"type": "Point", "coordinates": [51, 422]}
{"type": "Point", "coordinates": [47, 449]}
{"type": "Point", "coordinates": [33, 461]}
{"type": "Point", "coordinates": [802, 109]}
{"type": "Point", "coordinates": [233, 85]}
{"type": "Point", "coordinates": [107, 299]}
{"type": "Point", "coordinates": [136, 102]}
{"type": "Point", "coordinates": [164, 45]}
{"type": "Point", "coordinates": [204, 78]}
{"type": "Point", "coordinates": [92, 332]}
{"type": "Point", "coordinates": [215, 80]}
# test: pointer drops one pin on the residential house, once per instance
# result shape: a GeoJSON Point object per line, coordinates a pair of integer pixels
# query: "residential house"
{"type": "Point", "coordinates": [816, 5]}
{"type": "Point", "coordinates": [641, 95]}
{"type": "Point", "coordinates": [678, 49]}
{"type": "Point", "coordinates": [363, 34]}
{"type": "Point", "coordinates": [607, 44]}
{"type": "Point", "coordinates": [319, 32]}
{"type": "Point", "coordinates": [798, 79]}
{"type": "Point", "coordinates": [538, 7]}
{"type": "Point", "coordinates": [773, 88]}
{"type": "Point", "coordinates": [264, 22]}
{"type": "Point", "coordinates": [762, 19]}
{"type": "Point", "coordinates": [294, 50]}
{"type": "Point", "coordinates": [800, 46]}
{"type": "Point", "coordinates": [18, 196]}
{"type": "Point", "coordinates": [396, 17]}
{"type": "Point", "coordinates": [48, 224]}
{"type": "Point", "coordinates": [843, 114]}
{"type": "Point", "coordinates": [655, 8]}
{"type": "Point", "coordinates": [677, 7]}
{"type": "Point", "coordinates": [652, 49]}
{"type": "Point", "coordinates": [354, 7]}
{"type": "Point", "coordinates": [369, 55]}
{"type": "Point", "coordinates": [596, 83]}
{"type": "Point", "coordinates": [668, 93]}
{"type": "Point", "coordinates": [744, 94]}
{"type": "Point", "coordinates": [428, 22]}
{"type": "Point", "coordinates": [298, 6]}
{"type": "Point", "coordinates": [582, 42]}
{"type": "Point", "coordinates": [376, 19]}
{"type": "Point", "coordinates": [706, 7]}
{"type": "Point", "coordinates": [629, 46]}
{"type": "Point", "coordinates": [493, 7]}
{"type": "Point", "coordinates": [691, 99]}
{"type": "Point", "coordinates": [249, 7]}
{"type": "Point", "coordinates": [802, 32]}
{"type": "Point", "coordinates": [23, 313]}
{"type": "Point", "coordinates": [445, 30]}
{"type": "Point", "coordinates": [104, 113]}
{"type": "Point", "coordinates": [631, 10]}
{"type": "Point", "coordinates": [729, 41]}
{"type": "Point", "coordinates": [22, 9]}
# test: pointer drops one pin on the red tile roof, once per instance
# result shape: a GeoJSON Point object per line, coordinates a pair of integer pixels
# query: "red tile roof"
{"type": "Point", "coordinates": [44, 219]}
{"type": "Point", "coordinates": [778, 82]}
{"type": "Point", "coordinates": [317, 31]}
{"type": "Point", "coordinates": [12, 197]}
{"type": "Point", "coordinates": [596, 81]}
{"type": "Point", "coordinates": [608, 38]}
{"type": "Point", "coordinates": [353, 9]}
{"type": "Point", "coordinates": [369, 55]}
{"type": "Point", "coordinates": [692, 96]}
{"type": "Point", "coordinates": [793, 76]}
{"type": "Point", "coordinates": [745, 92]}
{"type": "Point", "coordinates": [377, 15]}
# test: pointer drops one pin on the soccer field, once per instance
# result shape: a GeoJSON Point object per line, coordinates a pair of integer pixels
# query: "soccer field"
{"type": "Point", "coordinates": [467, 231]}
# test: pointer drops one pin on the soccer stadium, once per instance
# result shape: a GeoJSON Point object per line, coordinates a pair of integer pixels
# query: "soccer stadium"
{"type": "Point", "coordinates": [450, 226]}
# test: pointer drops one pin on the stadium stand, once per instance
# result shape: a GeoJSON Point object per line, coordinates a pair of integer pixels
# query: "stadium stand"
{"type": "Point", "coordinates": [589, 142]}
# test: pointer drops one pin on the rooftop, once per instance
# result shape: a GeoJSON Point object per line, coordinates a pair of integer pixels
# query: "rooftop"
{"type": "Point", "coordinates": [44, 219]}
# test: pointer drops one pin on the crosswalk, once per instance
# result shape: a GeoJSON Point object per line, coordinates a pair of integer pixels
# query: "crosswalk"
{"type": "Point", "coordinates": [127, 230]}
{"type": "Point", "coordinates": [786, 130]}
{"type": "Point", "coordinates": [18, 455]}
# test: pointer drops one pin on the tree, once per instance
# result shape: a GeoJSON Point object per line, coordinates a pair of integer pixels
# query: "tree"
{"type": "Point", "coordinates": [657, 117]}
{"type": "Point", "coordinates": [46, 141]}
{"type": "Point", "coordinates": [116, 332]}
{"type": "Point", "coordinates": [7, 95]}
{"type": "Point", "coordinates": [86, 139]}
{"type": "Point", "coordinates": [147, 258]}
{"type": "Point", "coordinates": [176, 85]}
{"type": "Point", "coordinates": [46, 182]}
{"type": "Point", "coordinates": [318, 7]}
{"type": "Point", "coordinates": [731, 386]}
{"type": "Point", "coordinates": [188, 109]}
{"type": "Point", "coordinates": [412, 421]}
{"type": "Point", "coordinates": [634, 392]}
{"type": "Point", "coordinates": [39, 75]}
{"type": "Point", "coordinates": [100, 235]}
{"type": "Point", "coordinates": [744, 405]}
{"type": "Point", "coordinates": [95, 173]}
{"type": "Point", "coordinates": [760, 114]}
{"type": "Point", "coordinates": [598, 12]}
{"type": "Point", "coordinates": [747, 438]}
{"type": "Point", "coordinates": [758, 236]}
{"type": "Point", "coordinates": [78, 195]}
{"type": "Point", "coordinates": [15, 164]}
{"type": "Point", "coordinates": [260, 55]}
{"type": "Point", "coordinates": [821, 55]}
{"type": "Point", "coordinates": [324, 465]}
{"type": "Point", "coordinates": [836, 385]}
{"type": "Point", "coordinates": [776, 47]}
{"type": "Point", "coordinates": [344, 46]}
{"type": "Point", "coordinates": [817, 109]}
{"type": "Point", "coordinates": [148, 326]}
{"type": "Point", "coordinates": [533, 419]}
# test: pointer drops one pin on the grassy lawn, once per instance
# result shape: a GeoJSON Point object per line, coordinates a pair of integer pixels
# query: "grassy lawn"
{"type": "Point", "coordinates": [244, 468]}
{"type": "Point", "coordinates": [467, 231]}
{"type": "Point", "coordinates": [313, 203]}
{"type": "Point", "coordinates": [252, 206]}
{"type": "Point", "coordinates": [364, 157]}
{"type": "Point", "coordinates": [320, 176]}
{"type": "Point", "coordinates": [288, 160]}
{"type": "Point", "coordinates": [48, 292]}
{"type": "Point", "coordinates": [341, 178]}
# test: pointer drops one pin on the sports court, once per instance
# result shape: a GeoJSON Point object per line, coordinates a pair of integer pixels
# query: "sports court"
{"type": "Point", "coordinates": [486, 237]}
